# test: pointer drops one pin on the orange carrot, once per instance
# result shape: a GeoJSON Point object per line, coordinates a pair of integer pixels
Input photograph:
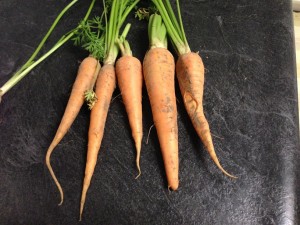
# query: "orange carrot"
{"type": "Point", "coordinates": [85, 80]}
{"type": "Point", "coordinates": [130, 81]}
{"type": "Point", "coordinates": [159, 73]}
{"type": "Point", "coordinates": [190, 75]}
{"type": "Point", "coordinates": [105, 86]}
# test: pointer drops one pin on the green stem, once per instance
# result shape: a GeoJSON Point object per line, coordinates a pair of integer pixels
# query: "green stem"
{"type": "Point", "coordinates": [172, 17]}
{"type": "Point", "coordinates": [181, 24]}
{"type": "Point", "coordinates": [89, 10]}
{"type": "Point", "coordinates": [128, 10]}
{"type": "Point", "coordinates": [37, 50]}
{"type": "Point", "coordinates": [118, 14]}
{"type": "Point", "coordinates": [106, 27]}
{"type": "Point", "coordinates": [176, 36]}
{"type": "Point", "coordinates": [169, 25]}
{"type": "Point", "coordinates": [123, 43]}
{"type": "Point", "coordinates": [110, 25]}
{"type": "Point", "coordinates": [126, 30]}
{"type": "Point", "coordinates": [15, 79]}
{"type": "Point", "coordinates": [158, 32]}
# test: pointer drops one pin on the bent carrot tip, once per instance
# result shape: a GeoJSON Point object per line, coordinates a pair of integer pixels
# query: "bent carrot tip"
{"type": "Point", "coordinates": [61, 202]}
{"type": "Point", "coordinates": [233, 177]}
{"type": "Point", "coordinates": [139, 174]}
{"type": "Point", "coordinates": [226, 173]}
{"type": "Point", "coordinates": [138, 162]}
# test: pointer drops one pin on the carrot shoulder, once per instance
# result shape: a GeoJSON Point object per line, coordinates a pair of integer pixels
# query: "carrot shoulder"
{"type": "Point", "coordinates": [105, 86]}
{"type": "Point", "coordinates": [130, 81]}
{"type": "Point", "coordinates": [85, 80]}
{"type": "Point", "coordinates": [159, 72]}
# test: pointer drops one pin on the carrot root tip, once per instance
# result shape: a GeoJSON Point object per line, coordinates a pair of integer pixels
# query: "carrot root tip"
{"type": "Point", "coordinates": [138, 165]}
{"type": "Point", "coordinates": [139, 174]}
{"type": "Point", "coordinates": [61, 202]}
{"type": "Point", "coordinates": [138, 155]}
{"type": "Point", "coordinates": [223, 170]}
{"type": "Point", "coordinates": [1, 94]}
{"type": "Point", "coordinates": [48, 164]}
{"type": "Point", "coordinates": [172, 188]}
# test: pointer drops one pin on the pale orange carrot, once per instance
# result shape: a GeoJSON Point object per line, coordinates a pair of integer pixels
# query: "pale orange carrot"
{"type": "Point", "coordinates": [159, 76]}
{"type": "Point", "coordinates": [130, 81]}
{"type": "Point", "coordinates": [190, 75]}
{"type": "Point", "coordinates": [105, 86]}
{"type": "Point", "coordinates": [85, 80]}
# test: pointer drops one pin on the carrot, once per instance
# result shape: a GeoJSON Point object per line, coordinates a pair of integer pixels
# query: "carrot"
{"type": "Point", "coordinates": [190, 75]}
{"type": "Point", "coordinates": [105, 86]}
{"type": "Point", "coordinates": [159, 75]}
{"type": "Point", "coordinates": [130, 81]}
{"type": "Point", "coordinates": [85, 80]}
{"type": "Point", "coordinates": [88, 34]}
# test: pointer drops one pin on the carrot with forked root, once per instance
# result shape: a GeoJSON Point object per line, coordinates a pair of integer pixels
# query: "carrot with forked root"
{"type": "Point", "coordinates": [159, 75]}
{"type": "Point", "coordinates": [130, 81]}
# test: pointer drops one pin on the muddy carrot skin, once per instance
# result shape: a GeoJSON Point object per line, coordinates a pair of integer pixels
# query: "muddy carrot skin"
{"type": "Point", "coordinates": [190, 75]}
{"type": "Point", "coordinates": [159, 73]}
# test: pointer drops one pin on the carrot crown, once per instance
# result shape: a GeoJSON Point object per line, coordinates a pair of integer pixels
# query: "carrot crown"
{"type": "Point", "coordinates": [157, 32]}
{"type": "Point", "coordinates": [124, 46]}
{"type": "Point", "coordinates": [118, 13]}
{"type": "Point", "coordinates": [173, 24]}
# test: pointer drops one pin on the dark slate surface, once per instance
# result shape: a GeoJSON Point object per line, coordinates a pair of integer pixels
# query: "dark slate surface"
{"type": "Point", "coordinates": [250, 102]}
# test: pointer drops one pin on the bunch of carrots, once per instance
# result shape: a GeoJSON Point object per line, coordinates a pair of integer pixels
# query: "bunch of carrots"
{"type": "Point", "coordinates": [102, 70]}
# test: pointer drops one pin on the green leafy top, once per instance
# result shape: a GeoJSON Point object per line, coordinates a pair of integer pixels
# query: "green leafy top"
{"type": "Point", "coordinates": [123, 43]}
{"type": "Point", "coordinates": [118, 13]}
{"type": "Point", "coordinates": [173, 24]}
{"type": "Point", "coordinates": [33, 61]}
{"type": "Point", "coordinates": [157, 32]}
{"type": "Point", "coordinates": [90, 36]}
